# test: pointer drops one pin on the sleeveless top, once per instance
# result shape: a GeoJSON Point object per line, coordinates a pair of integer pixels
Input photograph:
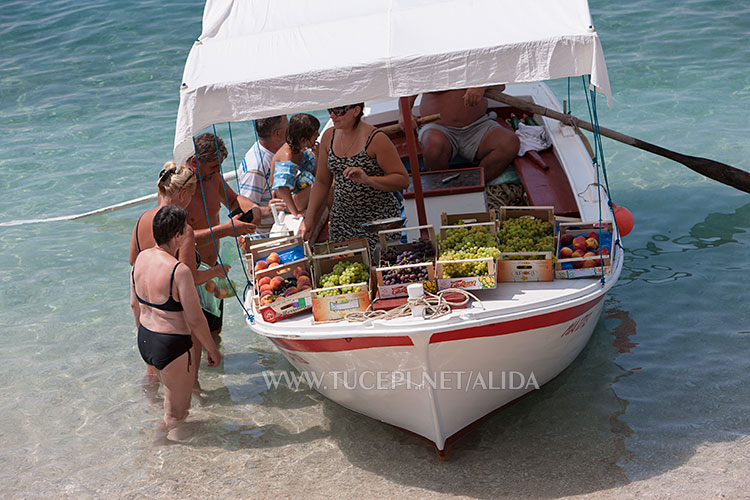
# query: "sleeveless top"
{"type": "Point", "coordinates": [355, 203]}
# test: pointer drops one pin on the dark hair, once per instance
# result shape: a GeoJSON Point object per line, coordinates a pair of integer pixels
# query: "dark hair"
{"type": "Point", "coordinates": [358, 118]}
{"type": "Point", "coordinates": [301, 126]}
{"type": "Point", "coordinates": [267, 126]}
{"type": "Point", "coordinates": [168, 221]}
{"type": "Point", "coordinates": [205, 149]}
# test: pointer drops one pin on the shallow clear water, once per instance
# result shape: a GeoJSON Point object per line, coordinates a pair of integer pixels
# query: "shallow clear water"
{"type": "Point", "coordinates": [657, 404]}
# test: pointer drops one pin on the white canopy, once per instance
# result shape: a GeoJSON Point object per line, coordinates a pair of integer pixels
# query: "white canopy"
{"type": "Point", "coordinates": [260, 58]}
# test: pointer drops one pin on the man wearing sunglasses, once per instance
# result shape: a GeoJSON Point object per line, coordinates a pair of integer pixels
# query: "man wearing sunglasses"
{"type": "Point", "coordinates": [464, 130]}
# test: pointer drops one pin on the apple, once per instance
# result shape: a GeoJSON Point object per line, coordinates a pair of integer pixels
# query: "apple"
{"type": "Point", "coordinates": [260, 265]}
{"type": "Point", "coordinates": [566, 252]}
{"type": "Point", "coordinates": [265, 280]}
{"type": "Point", "coordinates": [592, 243]}
{"type": "Point", "coordinates": [566, 239]}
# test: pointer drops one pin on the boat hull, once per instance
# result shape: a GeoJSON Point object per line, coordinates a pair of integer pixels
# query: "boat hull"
{"type": "Point", "coordinates": [436, 384]}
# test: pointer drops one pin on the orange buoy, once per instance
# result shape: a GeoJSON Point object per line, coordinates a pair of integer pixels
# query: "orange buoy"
{"type": "Point", "coordinates": [624, 219]}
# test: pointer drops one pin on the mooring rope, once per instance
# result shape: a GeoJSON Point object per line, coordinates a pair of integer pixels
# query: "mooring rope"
{"type": "Point", "coordinates": [434, 306]}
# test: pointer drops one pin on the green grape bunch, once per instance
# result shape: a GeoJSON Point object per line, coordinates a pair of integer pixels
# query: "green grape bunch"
{"type": "Point", "coordinates": [526, 235]}
{"type": "Point", "coordinates": [468, 242]}
{"type": "Point", "coordinates": [344, 273]}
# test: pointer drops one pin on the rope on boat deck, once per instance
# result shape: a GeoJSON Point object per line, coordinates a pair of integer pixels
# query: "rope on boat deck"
{"type": "Point", "coordinates": [434, 306]}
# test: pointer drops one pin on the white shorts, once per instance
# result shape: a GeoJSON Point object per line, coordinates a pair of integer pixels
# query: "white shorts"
{"type": "Point", "coordinates": [464, 140]}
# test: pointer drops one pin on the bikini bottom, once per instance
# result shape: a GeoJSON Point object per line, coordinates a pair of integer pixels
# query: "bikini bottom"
{"type": "Point", "coordinates": [160, 349]}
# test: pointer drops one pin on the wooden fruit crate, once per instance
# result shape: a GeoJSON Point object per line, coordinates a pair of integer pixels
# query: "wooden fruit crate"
{"type": "Point", "coordinates": [399, 290]}
{"type": "Point", "coordinates": [591, 266]}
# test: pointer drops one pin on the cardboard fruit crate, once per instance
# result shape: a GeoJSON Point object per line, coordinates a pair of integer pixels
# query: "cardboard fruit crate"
{"type": "Point", "coordinates": [293, 301]}
{"type": "Point", "coordinates": [536, 266]}
{"type": "Point", "coordinates": [467, 282]}
{"type": "Point", "coordinates": [416, 233]}
{"type": "Point", "coordinates": [582, 266]}
{"type": "Point", "coordinates": [336, 307]}
{"type": "Point", "coordinates": [526, 266]}
{"type": "Point", "coordinates": [330, 308]}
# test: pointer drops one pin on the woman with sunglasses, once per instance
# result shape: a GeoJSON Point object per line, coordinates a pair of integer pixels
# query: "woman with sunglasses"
{"type": "Point", "coordinates": [176, 186]}
{"type": "Point", "coordinates": [365, 169]}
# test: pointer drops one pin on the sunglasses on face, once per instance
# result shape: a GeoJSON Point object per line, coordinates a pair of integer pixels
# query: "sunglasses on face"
{"type": "Point", "coordinates": [339, 110]}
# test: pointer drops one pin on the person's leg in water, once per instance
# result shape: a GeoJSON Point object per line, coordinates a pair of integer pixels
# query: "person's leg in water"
{"type": "Point", "coordinates": [178, 379]}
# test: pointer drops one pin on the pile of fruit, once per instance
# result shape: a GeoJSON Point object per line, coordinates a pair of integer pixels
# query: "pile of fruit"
{"type": "Point", "coordinates": [526, 235]}
{"type": "Point", "coordinates": [419, 252]}
{"type": "Point", "coordinates": [344, 273]}
{"type": "Point", "coordinates": [272, 260]}
{"type": "Point", "coordinates": [272, 289]}
{"type": "Point", "coordinates": [462, 243]}
{"type": "Point", "coordinates": [220, 287]}
{"type": "Point", "coordinates": [582, 246]}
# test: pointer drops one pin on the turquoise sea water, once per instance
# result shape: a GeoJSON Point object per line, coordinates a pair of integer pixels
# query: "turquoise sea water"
{"type": "Point", "coordinates": [657, 404]}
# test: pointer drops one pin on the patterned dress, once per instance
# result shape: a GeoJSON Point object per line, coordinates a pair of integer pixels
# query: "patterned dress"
{"type": "Point", "coordinates": [355, 203]}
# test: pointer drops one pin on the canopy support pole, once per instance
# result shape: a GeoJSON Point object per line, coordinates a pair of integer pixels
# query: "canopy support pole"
{"type": "Point", "coordinates": [411, 146]}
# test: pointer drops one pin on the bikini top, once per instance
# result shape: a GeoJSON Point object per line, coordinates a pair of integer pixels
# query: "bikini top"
{"type": "Point", "coordinates": [170, 305]}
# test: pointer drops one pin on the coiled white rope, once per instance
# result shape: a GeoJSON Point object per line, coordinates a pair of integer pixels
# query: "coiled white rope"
{"type": "Point", "coordinates": [433, 306]}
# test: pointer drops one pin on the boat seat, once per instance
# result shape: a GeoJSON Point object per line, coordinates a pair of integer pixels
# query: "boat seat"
{"type": "Point", "coordinates": [547, 188]}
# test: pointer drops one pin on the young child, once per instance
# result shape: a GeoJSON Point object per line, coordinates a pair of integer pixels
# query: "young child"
{"type": "Point", "coordinates": [293, 165]}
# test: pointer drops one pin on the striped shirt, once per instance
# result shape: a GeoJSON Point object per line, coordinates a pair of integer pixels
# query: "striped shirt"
{"type": "Point", "coordinates": [255, 176]}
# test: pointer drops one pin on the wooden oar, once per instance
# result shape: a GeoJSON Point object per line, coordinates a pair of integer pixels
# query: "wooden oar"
{"type": "Point", "coordinates": [392, 129]}
{"type": "Point", "coordinates": [712, 169]}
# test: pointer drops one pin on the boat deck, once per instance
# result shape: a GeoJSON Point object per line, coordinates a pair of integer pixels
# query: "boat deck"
{"type": "Point", "coordinates": [507, 300]}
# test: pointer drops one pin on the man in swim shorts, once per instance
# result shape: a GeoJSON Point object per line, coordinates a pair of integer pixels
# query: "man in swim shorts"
{"type": "Point", "coordinates": [464, 129]}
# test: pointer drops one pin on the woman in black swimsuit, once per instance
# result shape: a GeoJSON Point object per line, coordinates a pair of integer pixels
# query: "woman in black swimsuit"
{"type": "Point", "coordinates": [176, 186]}
{"type": "Point", "coordinates": [167, 311]}
{"type": "Point", "coordinates": [366, 169]}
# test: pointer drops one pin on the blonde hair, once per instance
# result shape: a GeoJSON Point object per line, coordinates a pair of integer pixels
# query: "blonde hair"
{"type": "Point", "coordinates": [173, 179]}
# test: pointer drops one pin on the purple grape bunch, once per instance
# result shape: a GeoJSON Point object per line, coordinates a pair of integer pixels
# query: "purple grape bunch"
{"type": "Point", "coordinates": [418, 252]}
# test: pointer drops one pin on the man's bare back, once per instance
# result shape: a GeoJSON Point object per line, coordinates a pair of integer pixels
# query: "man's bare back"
{"type": "Point", "coordinates": [453, 108]}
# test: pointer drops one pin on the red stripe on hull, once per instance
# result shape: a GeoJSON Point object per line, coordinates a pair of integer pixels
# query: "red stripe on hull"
{"type": "Point", "coordinates": [517, 325]}
{"type": "Point", "coordinates": [340, 344]}
{"type": "Point", "coordinates": [491, 330]}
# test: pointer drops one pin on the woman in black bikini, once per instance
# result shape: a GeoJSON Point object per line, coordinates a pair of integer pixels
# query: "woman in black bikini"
{"type": "Point", "coordinates": [176, 186]}
{"type": "Point", "coordinates": [167, 311]}
{"type": "Point", "coordinates": [366, 169]}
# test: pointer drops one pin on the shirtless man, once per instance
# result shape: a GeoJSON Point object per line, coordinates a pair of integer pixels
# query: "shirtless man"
{"type": "Point", "coordinates": [464, 129]}
{"type": "Point", "coordinates": [207, 165]}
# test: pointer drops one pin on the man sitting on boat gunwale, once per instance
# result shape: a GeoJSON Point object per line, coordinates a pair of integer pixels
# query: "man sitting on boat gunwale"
{"type": "Point", "coordinates": [207, 165]}
{"type": "Point", "coordinates": [464, 129]}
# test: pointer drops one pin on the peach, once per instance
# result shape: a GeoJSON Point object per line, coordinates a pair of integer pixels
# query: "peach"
{"type": "Point", "coordinates": [260, 265]}
{"type": "Point", "coordinates": [592, 243]}
{"type": "Point", "coordinates": [566, 252]}
{"type": "Point", "coordinates": [582, 249]}
{"type": "Point", "coordinates": [589, 254]}
{"type": "Point", "coordinates": [264, 288]}
{"type": "Point", "coordinates": [566, 239]}
{"type": "Point", "coordinates": [265, 293]}
{"type": "Point", "coordinates": [298, 270]}
{"type": "Point", "coordinates": [267, 299]}
{"type": "Point", "coordinates": [210, 286]}
{"type": "Point", "coordinates": [590, 263]}
{"type": "Point", "coordinates": [304, 286]}
{"type": "Point", "coordinates": [265, 280]}
{"type": "Point", "coordinates": [605, 251]}
{"type": "Point", "coordinates": [273, 257]}
{"type": "Point", "coordinates": [290, 291]}
{"type": "Point", "coordinates": [579, 240]}
{"type": "Point", "coordinates": [277, 282]}
{"type": "Point", "coordinates": [273, 264]}
{"type": "Point", "coordinates": [221, 293]}
{"type": "Point", "coordinates": [592, 234]}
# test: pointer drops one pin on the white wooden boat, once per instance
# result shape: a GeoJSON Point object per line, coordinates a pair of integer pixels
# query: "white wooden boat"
{"type": "Point", "coordinates": [430, 377]}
